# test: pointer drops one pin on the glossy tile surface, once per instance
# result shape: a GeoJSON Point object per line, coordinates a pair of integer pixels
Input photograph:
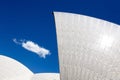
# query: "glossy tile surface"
{"type": "Point", "coordinates": [46, 76]}
{"type": "Point", "coordinates": [11, 69]}
{"type": "Point", "coordinates": [89, 48]}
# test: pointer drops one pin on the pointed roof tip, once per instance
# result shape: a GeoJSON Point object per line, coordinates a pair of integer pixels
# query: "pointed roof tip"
{"type": "Point", "coordinates": [55, 12]}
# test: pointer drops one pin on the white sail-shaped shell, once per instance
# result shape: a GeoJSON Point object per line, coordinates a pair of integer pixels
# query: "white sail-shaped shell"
{"type": "Point", "coordinates": [89, 48]}
{"type": "Point", "coordinates": [11, 69]}
{"type": "Point", "coordinates": [46, 76]}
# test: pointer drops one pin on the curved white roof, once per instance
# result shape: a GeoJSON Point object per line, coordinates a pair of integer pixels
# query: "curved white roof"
{"type": "Point", "coordinates": [89, 48]}
{"type": "Point", "coordinates": [11, 69]}
{"type": "Point", "coordinates": [46, 76]}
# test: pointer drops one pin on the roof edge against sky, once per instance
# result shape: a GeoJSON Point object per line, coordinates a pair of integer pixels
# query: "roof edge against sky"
{"type": "Point", "coordinates": [77, 14]}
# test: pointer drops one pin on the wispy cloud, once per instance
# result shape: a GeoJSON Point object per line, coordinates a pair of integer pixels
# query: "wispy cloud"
{"type": "Point", "coordinates": [33, 47]}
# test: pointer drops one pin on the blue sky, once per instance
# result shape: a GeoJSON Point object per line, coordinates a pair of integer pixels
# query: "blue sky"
{"type": "Point", "coordinates": [32, 20]}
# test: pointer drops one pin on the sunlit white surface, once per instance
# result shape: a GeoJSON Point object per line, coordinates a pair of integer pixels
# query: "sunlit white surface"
{"type": "Point", "coordinates": [46, 76]}
{"type": "Point", "coordinates": [11, 69]}
{"type": "Point", "coordinates": [89, 48]}
{"type": "Point", "coordinates": [106, 41]}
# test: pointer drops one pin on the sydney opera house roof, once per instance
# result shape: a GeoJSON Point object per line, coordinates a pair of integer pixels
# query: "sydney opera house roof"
{"type": "Point", "coordinates": [46, 76]}
{"type": "Point", "coordinates": [11, 69]}
{"type": "Point", "coordinates": [89, 48]}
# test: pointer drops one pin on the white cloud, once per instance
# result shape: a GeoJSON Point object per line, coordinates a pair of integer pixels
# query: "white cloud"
{"type": "Point", "coordinates": [33, 47]}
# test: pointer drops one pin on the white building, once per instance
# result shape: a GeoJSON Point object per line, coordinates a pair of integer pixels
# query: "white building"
{"type": "Point", "coordinates": [89, 48]}
{"type": "Point", "coordinates": [46, 76]}
{"type": "Point", "coordinates": [11, 69]}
